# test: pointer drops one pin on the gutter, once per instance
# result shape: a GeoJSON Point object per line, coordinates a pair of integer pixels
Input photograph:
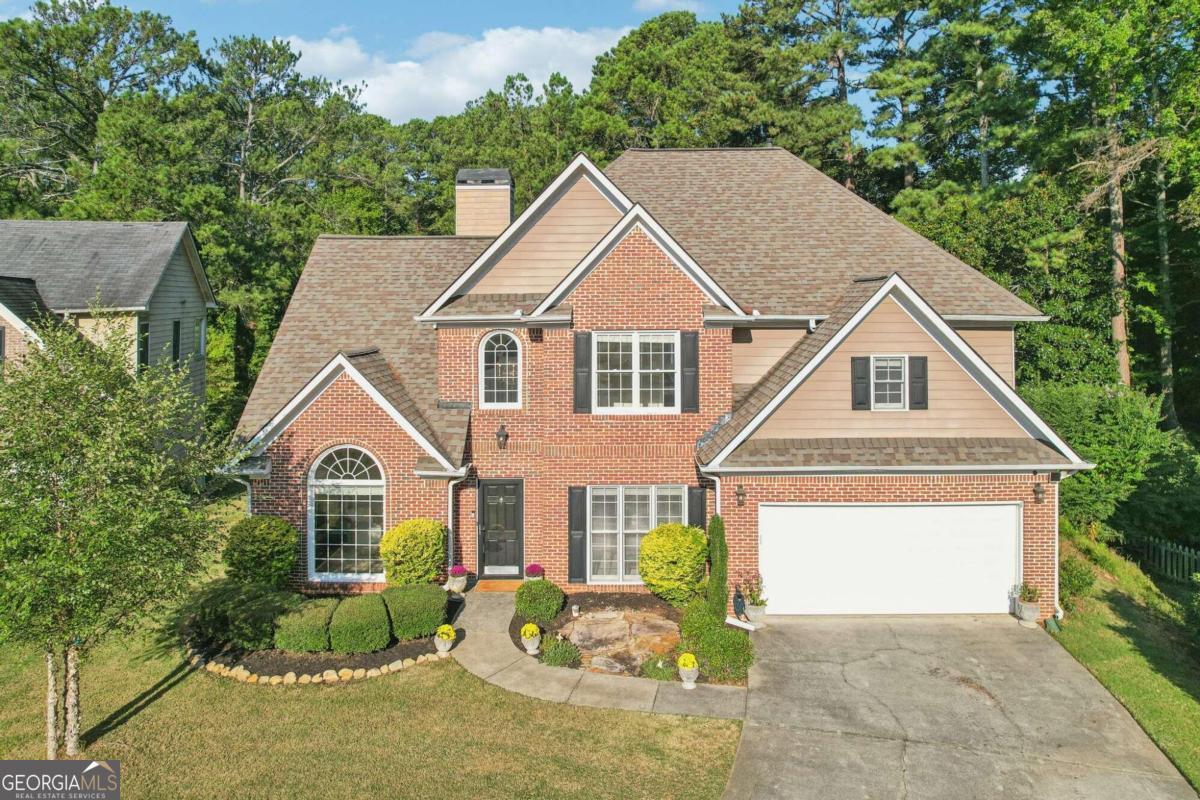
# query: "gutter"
{"type": "Point", "coordinates": [872, 468]}
{"type": "Point", "coordinates": [517, 319]}
{"type": "Point", "coordinates": [994, 318]}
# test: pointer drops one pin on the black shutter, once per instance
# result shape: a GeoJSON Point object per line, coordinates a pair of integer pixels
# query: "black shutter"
{"type": "Point", "coordinates": [583, 372]}
{"type": "Point", "coordinates": [689, 359]}
{"type": "Point", "coordinates": [696, 511]}
{"type": "Point", "coordinates": [1, 346]}
{"type": "Point", "coordinates": [577, 534]}
{"type": "Point", "coordinates": [860, 383]}
{"type": "Point", "coordinates": [918, 383]}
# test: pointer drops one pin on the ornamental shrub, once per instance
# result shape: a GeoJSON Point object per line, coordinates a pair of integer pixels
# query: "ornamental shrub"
{"type": "Point", "coordinates": [306, 628]}
{"type": "Point", "coordinates": [717, 589]}
{"type": "Point", "coordinates": [227, 612]}
{"type": "Point", "coordinates": [560, 652]}
{"type": "Point", "coordinates": [414, 551]}
{"type": "Point", "coordinates": [261, 550]}
{"type": "Point", "coordinates": [724, 653]}
{"type": "Point", "coordinates": [539, 601]}
{"type": "Point", "coordinates": [672, 561]}
{"type": "Point", "coordinates": [416, 611]}
{"type": "Point", "coordinates": [359, 625]}
{"type": "Point", "coordinates": [660, 668]}
{"type": "Point", "coordinates": [1075, 580]}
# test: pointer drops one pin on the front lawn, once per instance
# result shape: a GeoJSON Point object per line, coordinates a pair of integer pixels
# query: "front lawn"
{"type": "Point", "coordinates": [432, 730]}
{"type": "Point", "coordinates": [1130, 635]}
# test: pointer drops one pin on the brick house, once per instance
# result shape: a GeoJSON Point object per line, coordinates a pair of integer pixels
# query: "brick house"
{"type": "Point", "coordinates": [684, 333]}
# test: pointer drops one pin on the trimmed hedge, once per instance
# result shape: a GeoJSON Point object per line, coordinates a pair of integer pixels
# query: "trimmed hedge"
{"type": "Point", "coordinates": [416, 611]}
{"type": "Point", "coordinates": [724, 653]}
{"type": "Point", "coordinates": [261, 550]}
{"type": "Point", "coordinates": [672, 562]}
{"type": "Point", "coordinates": [306, 629]}
{"type": "Point", "coordinates": [240, 614]}
{"type": "Point", "coordinates": [414, 551]}
{"type": "Point", "coordinates": [359, 625]}
{"type": "Point", "coordinates": [539, 601]}
{"type": "Point", "coordinates": [717, 590]}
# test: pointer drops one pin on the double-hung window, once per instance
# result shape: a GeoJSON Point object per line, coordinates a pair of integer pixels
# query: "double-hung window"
{"type": "Point", "coordinates": [636, 372]}
{"type": "Point", "coordinates": [618, 518]}
{"type": "Point", "coordinates": [887, 383]}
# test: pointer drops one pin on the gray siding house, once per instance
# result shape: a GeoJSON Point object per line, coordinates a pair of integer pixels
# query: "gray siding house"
{"type": "Point", "coordinates": [147, 274]}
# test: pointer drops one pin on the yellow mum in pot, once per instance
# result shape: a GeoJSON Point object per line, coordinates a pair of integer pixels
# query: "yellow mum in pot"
{"type": "Point", "coordinates": [446, 633]}
{"type": "Point", "coordinates": [529, 630]}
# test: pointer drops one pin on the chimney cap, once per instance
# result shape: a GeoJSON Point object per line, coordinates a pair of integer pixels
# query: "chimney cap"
{"type": "Point", "coordinates": [490, 176]}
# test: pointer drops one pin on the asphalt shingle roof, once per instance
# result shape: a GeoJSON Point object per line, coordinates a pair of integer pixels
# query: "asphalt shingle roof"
{"type": "Point", "coordinates": [366, 290]}
{"type": "Point", "coordinates": [780, 236]}
{"type": "Point", "coordinates": [76, 262]}
{"type": "Point", "coordinates": [894, 452]}
{"type": "Point", "coordinates": [20, 296]}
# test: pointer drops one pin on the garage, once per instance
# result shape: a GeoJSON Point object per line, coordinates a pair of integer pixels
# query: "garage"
{"type": "Point", "coordinates": [886, 558]}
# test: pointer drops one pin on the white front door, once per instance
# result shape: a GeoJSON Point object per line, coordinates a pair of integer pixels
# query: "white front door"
{"type": "Point", "coordinates": [889, 558]}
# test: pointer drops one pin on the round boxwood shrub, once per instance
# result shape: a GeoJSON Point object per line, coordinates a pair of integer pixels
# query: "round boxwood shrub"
{"type": "Point", "coordinates": [414, 551]}
{"type": "Point", "coordinates": [416, 611]}
{"type": "Point", "coordinates": [226, 612]}
{"type": "Point", "coordinates": [359, 625]}
{"type": "Point", "coordinates": [306, 629]}
{"type": "Point", "coordinates": [261, 550]}
{"type": "Point", "coordinates": [672, 561]}
{"type": "Point", "coordinates": [539, 601]}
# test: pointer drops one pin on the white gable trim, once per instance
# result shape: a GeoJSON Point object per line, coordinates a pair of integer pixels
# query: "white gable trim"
{"type": "Point", "coordinates": [933, 324]}
{"type": "Point", "coordinates": [580, 165]}
{"type": "Point", "coordinates": [637, 217]}
{"type": "Point", "coordinates": [19, 325]}
{"type": "Point", "coordinates": [338, 366]}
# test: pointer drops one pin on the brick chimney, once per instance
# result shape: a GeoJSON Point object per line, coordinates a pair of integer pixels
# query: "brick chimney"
{"type": "Point", "coordinates": [482, 202]}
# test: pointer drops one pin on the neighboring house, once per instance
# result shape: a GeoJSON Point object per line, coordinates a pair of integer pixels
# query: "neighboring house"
{"type": "Point", "coordinates": [146, 275]}
{"type": "Point", "coordinates": [688, 331]}
{"type": "Point", "coordinates": [21, 308]}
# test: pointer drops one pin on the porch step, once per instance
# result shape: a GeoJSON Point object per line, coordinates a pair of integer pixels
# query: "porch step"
{"type": "Point", "coordinates": [493, 585]}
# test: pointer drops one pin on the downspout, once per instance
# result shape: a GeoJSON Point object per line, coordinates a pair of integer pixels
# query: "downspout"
{"type": "Point", "coordinates": [1058, 609]}
{"type": "Point", "coordinates": [450, 519]}
{"type": "Point", "coordinates": [249, 494]}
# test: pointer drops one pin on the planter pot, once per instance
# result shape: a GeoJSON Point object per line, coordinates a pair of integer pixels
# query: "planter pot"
{"type": "Point", "coordinates": [533, 577]}
{"type": "Point", "coordinates": [456, 585]}
{"type": "Point", "coordinates": [688, 676]}
{"type": "Point", "coordinates": [757, 616]}
{"type": "Point", "coordinates": [1027, 613]}
{"type": "Point", "coordinates": [443, 645]}
{"type": "Point", "coordinates": [532, 645]}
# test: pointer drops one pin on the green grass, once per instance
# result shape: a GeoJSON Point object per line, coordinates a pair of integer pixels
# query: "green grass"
{"type": "Point", "coordinates": [1130, 635]}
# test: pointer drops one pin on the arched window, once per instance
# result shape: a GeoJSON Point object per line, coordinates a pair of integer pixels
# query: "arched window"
{"type": "Point", "coordinates": [500, 371]}
{"type": "Point", "coordinates": [345, 502]}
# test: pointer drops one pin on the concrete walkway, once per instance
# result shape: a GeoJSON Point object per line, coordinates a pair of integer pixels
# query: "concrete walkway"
{"type": "Point", "coordinates": [486, 650]}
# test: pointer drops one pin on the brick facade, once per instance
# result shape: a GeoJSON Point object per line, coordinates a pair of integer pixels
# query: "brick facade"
{"type": "Point", "coordinates": [551, 448]}
{"type": "Point", "coordinates": [16, 345]}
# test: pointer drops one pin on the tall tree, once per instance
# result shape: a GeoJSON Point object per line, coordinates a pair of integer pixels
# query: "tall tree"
{"type": "Point", "coordinates": [61, 69]}
{"type": "Point", "coordinates": [101, 517]}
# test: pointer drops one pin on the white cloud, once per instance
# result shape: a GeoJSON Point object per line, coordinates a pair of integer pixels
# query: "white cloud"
{"type": "Point", "coordinates": [442, 71]}
{"type": "Point", "coordinates": [659, 6]}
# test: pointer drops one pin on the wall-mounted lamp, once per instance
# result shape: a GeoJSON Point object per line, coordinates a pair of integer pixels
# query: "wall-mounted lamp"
{"type": "Point", "coordinates": [1039, 492]}
{"type": "Point", "coordinates": [740, 494]}
{"type": "Point", "coordinates": [502, 436]}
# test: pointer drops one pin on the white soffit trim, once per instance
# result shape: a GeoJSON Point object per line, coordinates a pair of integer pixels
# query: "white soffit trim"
{"type": "Point", "coordinates": [949, 339]}
{"type": "Point", "coordinates": [638, 217]}
{"type": "Point", "coordinates": [580, 165]}
{"type": "Point", "coordinates": [338, 365]}
{"type": "Point", "coordinates": [18, 324]}
{"type": "Point", "coordinates": [901, 469]}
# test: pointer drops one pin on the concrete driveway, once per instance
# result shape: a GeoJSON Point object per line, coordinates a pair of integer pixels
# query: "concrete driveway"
{"type": "Point", "coordinates": [935, 707]}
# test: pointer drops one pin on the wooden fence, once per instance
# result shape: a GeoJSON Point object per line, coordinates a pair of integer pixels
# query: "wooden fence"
{"type": "Point", "coordinates": [1167, 558]}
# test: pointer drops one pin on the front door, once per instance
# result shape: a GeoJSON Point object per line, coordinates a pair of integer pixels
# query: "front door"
{"type": "Point", "coordinates": [501, 522]}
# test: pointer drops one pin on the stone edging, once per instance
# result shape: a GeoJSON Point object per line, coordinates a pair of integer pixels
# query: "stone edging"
{"type": "Point", "coordinates": [240, 674]}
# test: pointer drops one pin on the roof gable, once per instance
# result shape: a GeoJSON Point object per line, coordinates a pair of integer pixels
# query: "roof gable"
{"type": "Point", "coordinates": [637, 218]}
{"type": "Point", "coordinates": [580, 167]}
{"type": "Point", "coordinates": [807, 355]}
{"type": "Point", "coordinates": [21, 305]}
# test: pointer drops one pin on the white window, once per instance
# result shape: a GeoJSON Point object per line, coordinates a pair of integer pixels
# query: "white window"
{"type": "Point", "coordinates": [345, 511]}
{"type": "Point", "coordinates": [618, 518]}
{"type": "Point", "coordinates": [500, 371]}
{"type": "Point", "coordinates": [636, 372]}
{"type": "Point", "coordinates": [888, 391]}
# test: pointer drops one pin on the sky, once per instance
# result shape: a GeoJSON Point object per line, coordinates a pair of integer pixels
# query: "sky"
{"type": "Point", "coordinates": [421, 59]}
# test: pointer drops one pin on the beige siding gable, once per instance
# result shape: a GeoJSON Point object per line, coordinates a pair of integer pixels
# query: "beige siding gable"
{"type": "Point", "coordinates": [178, 297]}
{"type": "Point", "coordinates": [756, 350]}
{"type": "Point", "coordinates": [553, 244]}
{"type": "Point", "coordinates": [820, 407]}
{"type": "Point", "coordinates": [996, 346]}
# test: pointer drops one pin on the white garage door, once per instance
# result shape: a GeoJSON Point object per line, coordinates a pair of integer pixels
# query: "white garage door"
{"type": "Point", "coordinates": [889, 559]}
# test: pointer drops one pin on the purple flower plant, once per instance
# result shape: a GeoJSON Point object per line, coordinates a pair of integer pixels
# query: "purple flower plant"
{"type": "Point", "coordinates": [457, 571]}
{"type": "Point", "coordinates": [534, 571]}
